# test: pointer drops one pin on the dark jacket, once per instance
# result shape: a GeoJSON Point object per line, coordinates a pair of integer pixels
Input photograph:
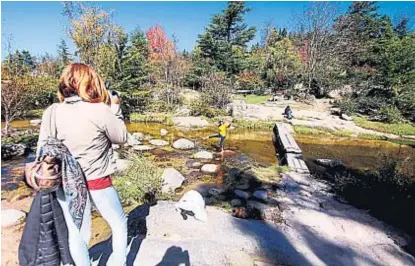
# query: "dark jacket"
{"type": "Point", "coordinates": [45, 236]}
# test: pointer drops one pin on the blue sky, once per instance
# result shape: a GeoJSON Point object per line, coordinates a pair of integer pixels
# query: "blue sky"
{"type": "Point", "coordinates": [39, 26]}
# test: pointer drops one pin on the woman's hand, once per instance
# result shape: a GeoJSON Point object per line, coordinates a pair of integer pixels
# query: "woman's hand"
{"type": "Point", "coordinates": [115, 98]}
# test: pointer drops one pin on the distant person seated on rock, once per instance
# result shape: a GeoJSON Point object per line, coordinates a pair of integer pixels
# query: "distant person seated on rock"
{"type": "Point", "coordinates": [223, 128]}
{"type": "Point", "coordinates": [288, 113]}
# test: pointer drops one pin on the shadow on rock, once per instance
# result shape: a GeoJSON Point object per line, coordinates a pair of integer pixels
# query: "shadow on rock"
{"type": "Point", "coordinates": [137, 231]}
{"type": "Point", "coordinates": [175, 256]}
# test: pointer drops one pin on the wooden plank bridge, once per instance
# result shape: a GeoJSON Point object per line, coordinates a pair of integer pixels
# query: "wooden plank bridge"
{"type": "Point", "coordinates": [288, 151]}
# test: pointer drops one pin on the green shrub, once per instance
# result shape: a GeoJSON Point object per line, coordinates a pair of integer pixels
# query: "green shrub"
{"type": "Point", "coordinates": [391, 114]}
{"type": "Point", "coordinates": [142, 177]}
{"type": "Point", "coordinates": [152, 118]}
{"type": "Point", "coordinates": [202, 108]}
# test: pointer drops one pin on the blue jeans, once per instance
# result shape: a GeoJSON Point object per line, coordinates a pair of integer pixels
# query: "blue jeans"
{"type": "Point", "coordinates": [108, 204]}
{"type": "Point", "coordinates": [221, 139]}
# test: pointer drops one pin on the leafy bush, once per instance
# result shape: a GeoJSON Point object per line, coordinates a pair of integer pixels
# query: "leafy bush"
{"type": "Point", "coordinates": [141, 178]}
{"type": "Point", "coordinates": [391, 114]}
{"type": "Point", "coordinates": [202, 108]}
{"type": "Point", "coordinates": [135, 101]}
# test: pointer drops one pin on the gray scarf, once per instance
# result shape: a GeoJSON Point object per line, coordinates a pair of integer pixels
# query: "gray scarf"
{"type": "Point", "coordinates": [73, 179]}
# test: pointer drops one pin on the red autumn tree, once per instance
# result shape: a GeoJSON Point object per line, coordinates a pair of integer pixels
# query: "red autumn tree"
{"type": "Point", "coordinates": [162, 52]}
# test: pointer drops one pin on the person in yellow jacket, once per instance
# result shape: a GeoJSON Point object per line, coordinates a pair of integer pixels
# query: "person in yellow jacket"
{"type": "Point", "coordinates": [223, 130]}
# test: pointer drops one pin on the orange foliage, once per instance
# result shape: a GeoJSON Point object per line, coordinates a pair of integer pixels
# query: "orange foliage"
{"type": "Point", "coordinates": [161, 48]}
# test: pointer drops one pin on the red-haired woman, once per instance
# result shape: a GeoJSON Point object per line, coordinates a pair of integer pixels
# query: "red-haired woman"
{"type": "Point", "coordinates": [88, 121]}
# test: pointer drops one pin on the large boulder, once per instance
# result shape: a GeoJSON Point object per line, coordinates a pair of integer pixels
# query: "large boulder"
{"type": "Point", "coordinates": [209, 168]}
{"type": "Point", "coordinates": [12, 217]}
{"type": "Point", "coordinates": [192, 202]}
{"type": "Point", "coordinates": [10, 150]}
{"type": "Point", "coordinates": [172, 179]}
{"type": "Point", "coordinates": [183, 112]}
{"type": "Point", "coordinates": [159, 142]}
{"type": "Point", "coordinates": [183, 144]}
{"type": "Point", "coordinates": [261, 195]}
{"type": "Point", "coordinates": [203, 155]}
{"type": "Point", "coordinates": [190, 122]}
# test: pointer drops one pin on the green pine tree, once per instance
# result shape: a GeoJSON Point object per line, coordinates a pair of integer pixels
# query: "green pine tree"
{"type": "Point", "coordinates": [226, 36]}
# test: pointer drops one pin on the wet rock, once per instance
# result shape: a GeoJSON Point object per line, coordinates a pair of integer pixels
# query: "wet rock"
{"type": "Point", "coordinates": [215, 192]}
{"type": "Point", "coordinates": [143, 148]}
{"type": "Point", "coordinates": [10, 150]}
{"type": "Point", "coordinates": [210, 168]}
{"type": "Point", "coordinates": [159, 142]}
{"type": "Point", "coordinates": [243, 186]}
{"type": "Point", "coordinates": [236, 202]}
{"type": "Point", "coordinates": [261, 195]}
{"type": "Point", "coordinates": [138, 135]}
{"type": "Point", "coordinates": [346, 117]}
{"type": "Point", "coordinates": [122, 165]}
{"type": "Point", "coordinates": [190, 122]}
{"type": "Point", "coordinates": [10, 186]}
{"type": "Point", "coordinates": [193, 164]}
{"type": "Point", "coordinates": [203, 155]}
{"type": "Point", "coordinates": [210, 200]}
{"type": "Point", "coordinates": [194, 175]}
{"type": "Point", "coordinates": [12, 217]}
{"type": "Point", "coordinates": [183, 144]}
{"type": "Point", "coordinates": [328, 162]}
{"type": "Point", "coordinates": [132, 140]}
{"type": "Point", "coordinates": [269, 213]}
{"type": "Point", "coordinates": [172, 179]}
{"type": "Point", "coordinates": [242, 194]}
{"type": "Point", "coordinates": [35, 122]}
{"type": "Point", "coordinates": [163, 132]}
{"type": "Point", "coordinates": [234, 172]}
